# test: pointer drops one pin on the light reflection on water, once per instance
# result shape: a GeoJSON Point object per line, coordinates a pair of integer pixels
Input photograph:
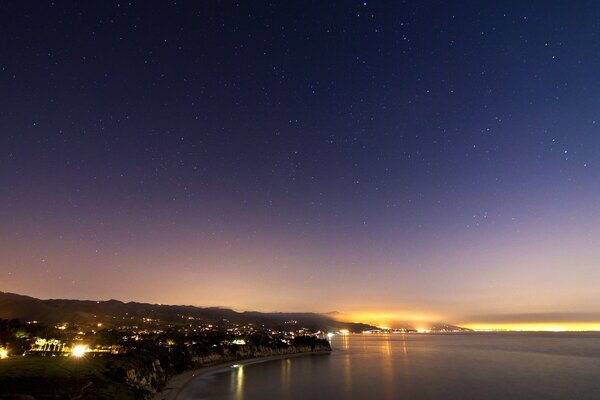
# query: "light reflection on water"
{"type": "Point", "coordinates": [388, 370]}
{"type": "Point", "coordinates": [239, 382]}
{"type": "Point", "coordinates": [347, 368]}
{"type": "Point", "coordinates": [286, 375]}
{"type": "Point", "coordinates": [419, 366]}
{"type": "Point", "coordinates": [345, 342]}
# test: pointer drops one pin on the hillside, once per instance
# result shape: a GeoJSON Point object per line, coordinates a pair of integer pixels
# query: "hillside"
{"type": "Point", "coordinates": [114, 312]}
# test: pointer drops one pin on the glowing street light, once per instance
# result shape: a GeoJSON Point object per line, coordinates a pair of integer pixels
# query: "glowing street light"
{"type": "Point", "coordinates": [3, 353]}
{"type": "Point", "coordinates": [79, 350]}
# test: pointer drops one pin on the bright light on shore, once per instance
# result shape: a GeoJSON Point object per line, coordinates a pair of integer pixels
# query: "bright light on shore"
{"type": "Point", "coordinates": [3, 353]}
{"type": "Point", "coordinates": [79, 350]}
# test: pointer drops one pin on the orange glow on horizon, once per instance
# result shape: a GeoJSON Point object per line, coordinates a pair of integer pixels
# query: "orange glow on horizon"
{"type": "Point", "coordinates": [388, 320]}
{"type": "Point", "coordinates": [423, 322]}
{"type": "Point", "coordinates": [535, 326]}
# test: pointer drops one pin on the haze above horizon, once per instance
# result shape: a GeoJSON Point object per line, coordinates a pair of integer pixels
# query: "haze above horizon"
{"type": "Point", "coordinates": [423, 162]}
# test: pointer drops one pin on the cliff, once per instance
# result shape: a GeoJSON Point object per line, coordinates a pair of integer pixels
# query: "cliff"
{"type": "Point", "coordinates": [246, 352]}
{"type": "Point", "coordinates": [148, 376]}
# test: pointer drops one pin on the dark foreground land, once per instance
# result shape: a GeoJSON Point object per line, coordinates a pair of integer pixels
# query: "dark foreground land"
{"type": "Point", "coordinates": [63, 378]}
{"type": "Point", "coordinates": [137, 374]}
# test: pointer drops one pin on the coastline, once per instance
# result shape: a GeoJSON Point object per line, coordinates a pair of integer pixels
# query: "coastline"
{"type": "Point", "coordinates": [177, 382]}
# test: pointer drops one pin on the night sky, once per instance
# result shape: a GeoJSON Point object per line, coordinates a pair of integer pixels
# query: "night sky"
{"type": "Point", "coordinates": [390, 160]}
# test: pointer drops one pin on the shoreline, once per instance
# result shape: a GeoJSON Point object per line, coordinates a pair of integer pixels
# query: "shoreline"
{"type": "Point", "coordinates": [177, 382]}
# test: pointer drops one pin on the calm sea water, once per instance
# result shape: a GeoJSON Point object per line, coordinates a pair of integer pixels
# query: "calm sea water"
{"type": "Point", "coordinates": [419, 366]}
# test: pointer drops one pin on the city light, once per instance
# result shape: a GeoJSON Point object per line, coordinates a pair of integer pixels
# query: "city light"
{"type": "Point", "coordinates": [79, 350]}
{"type": "Point", "coordinates": [3, 353]}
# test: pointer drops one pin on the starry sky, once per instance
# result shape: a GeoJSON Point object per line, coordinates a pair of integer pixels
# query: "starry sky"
{"type": "Point", "coordinates": [390, 160]}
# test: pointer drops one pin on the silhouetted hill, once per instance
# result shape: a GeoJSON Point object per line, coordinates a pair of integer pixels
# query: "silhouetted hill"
{"type": "Point", "coordinates": [114, 312]}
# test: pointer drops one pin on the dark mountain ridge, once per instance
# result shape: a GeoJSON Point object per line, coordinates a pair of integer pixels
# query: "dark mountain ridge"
{"type": "Point", "coordinates": [115, 312]}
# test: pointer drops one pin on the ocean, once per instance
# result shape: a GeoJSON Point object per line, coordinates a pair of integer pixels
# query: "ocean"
{"type": "Point", "coordinates": [420, 366]}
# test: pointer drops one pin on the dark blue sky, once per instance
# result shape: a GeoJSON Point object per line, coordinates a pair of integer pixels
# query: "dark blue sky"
{"type": "Point", "coordinates": [430, 158]}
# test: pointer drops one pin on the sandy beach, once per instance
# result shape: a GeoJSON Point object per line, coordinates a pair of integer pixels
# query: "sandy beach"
{"type": "Point", "coordinates": [177, 382]}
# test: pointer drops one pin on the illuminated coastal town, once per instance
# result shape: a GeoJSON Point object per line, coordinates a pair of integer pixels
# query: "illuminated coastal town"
{"type": "Point", "coordinates": [65, 339]}
{"type": "Point", "coordinates": [124, 334]}
{"type": "Point", "coordinates": [134, 355]}
{"type": "Point", "coordinates": [135, 347]}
